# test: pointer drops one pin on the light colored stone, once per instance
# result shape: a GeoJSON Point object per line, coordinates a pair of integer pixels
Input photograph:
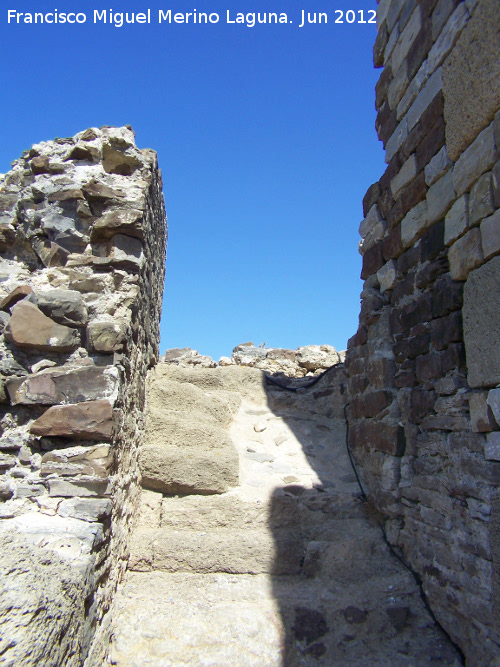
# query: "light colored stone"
{"type": "Point", "coordinates": [457, 220]}
{"type": "Point", "coordinates": [449, 35]}
{"type": "Point", "coordinates": [494, 403]}
{"type": "Point", "coordinates": [492, 446]}
{"type": "Point", "coordinates": [440, 197]}
{"type": "Point", "coordinates": [107, 335]}
{"type": "Point", "coordinates": [63, 306]}
{"type": "Point", "coordinates": [433, 86]}
{"type": "Point", "coordinates": [406, 39]}
{"type": "Point", "coordinates": [258, 427]}
{"type": "Point", "coordinates": [481, 313]}
{"type": "Point", "coordinates": [414, 224]}
{"type": "Point", "coordinates": [465, 254]}
{"type": "Point", "coordinates": [413, 89]}
{"type": "Point", "coordinates": [438, 166]}
{"type": "Point", "coordinates": [478, 158]}
{"type": "Point", "coordinates": [490, 235]}
{"type": "Point", "coordinates": [481, 418]}
{"type": "Point", "coordinates": [387, 275]}
{"type": "Point", "coordinates": [481, 199]}
{"type": "Point", "coordinates": [396, 140]}
{"type": "Point", "coordinates": [404, 176]}
{"type": "Point", "coordinates": [85, 509]}
{"type": "Point", "coordinates": [29, 328]}
{"type": "Point", "coordinates": [314, 357]}
{"type": "Point", "coordinates": [471, 81]}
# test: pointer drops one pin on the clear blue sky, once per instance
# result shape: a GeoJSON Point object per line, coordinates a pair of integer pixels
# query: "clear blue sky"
{"type": "Point", "coordinates": [265, 137]}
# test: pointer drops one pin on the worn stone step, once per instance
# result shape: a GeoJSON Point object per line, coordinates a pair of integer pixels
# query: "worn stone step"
{"type": "Point", "coordinates": [224, 620]}
{"type": "Point", "coordinates": [223, 550]}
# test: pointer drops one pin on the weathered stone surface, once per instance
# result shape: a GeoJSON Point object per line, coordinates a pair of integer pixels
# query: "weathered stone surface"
{"type": "Point", "coordinates": [481, 417]}
{"type": "Point", "coordinates": [439, 198]}
{"type": "Point", "coordinates": [494, 403]}
{"type": "Point", "coordinates": [479, 157]}
{"type": "Point", "coordinates": [457, 220]}
{"type": "Point", "coordinates": [107, 336]}
{"type": "Point", "coordinates": [92, 420]}
{"type": "Point", "coordinates": [466, 254]}
{"type": "Point", "coordinates": [387, 275]}
{"type": "Point", "coordinates": [16, 295]}
{"type": "Point", "coordinates": [29, 328]}
{"type": "Point", "coordinates": [471, 76]}
{"type": "Point", "coordinates": [414, 223]}
{"type": "Point", "coordinates": [490, 235]}
{"type": "Point", "coordinates": [492, 446]}
{"type": "Point", "coordinates": [65, 385]}
{"type": "Point", "coordinates": [438, 166]}
{"type": "Point", "coordinates": [424, 98]}
{"type": "Point", "coordinates": [85, 509]}
{"type": "Point", "coordinates": [481, 199]}
{"type": "Point", "coordinates": [481, 313]}
{"type": "Point", "coordinates": [64, 306]}
{"type": "Point", "coordinates": [313, 357]}
{"type": "Point", "coordinates": [126, 221]}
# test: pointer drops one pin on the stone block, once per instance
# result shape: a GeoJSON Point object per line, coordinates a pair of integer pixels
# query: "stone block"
{"type": "Point", "coordinates": [496, 180]}
{"type": "Point", "coordinates": [378, 436]}
{"type": "Point", "coordinates": [440, 197]}
{"type": "Point", "coordinates": [405, 175]}
{"type": "Point", "coordinates": [65, 385]}
{"type": "Point", "coordinates": [397, 139]}
{"type": "Point", "coordinates": [62, 488]}
{"type": "Point", "coordinates": [392, 246]}
{"type": "Point", "coordinates": [387, 275]}
{"type": "Point", "coordinates": [373, 260]}
{"type": "Point", "coordinates": [440, 15]}
{"type": "Point", "coordinates": [371, 229]}
{"type": "Point", "coordinates": [446, 330]}
{"type": "Point", "coordinates": [457, 220]}
{"type": "Point", "coordinates": [413, 89]}
{"type": "Point", "coordinates": [397, 86]}
{"type": "Point", "coordinates": [107, 336]}
{"type": "Point", "coordinates": [494, 403]}
{"type": "Point", "coordinates": [482, 420]}
{"type": "Point", "coordinates": [370, 198]}
{"type": "Point", "coordinates": [466, 254]}
{"type": "Point", "coordinates": [63, 306]}
{"type": "Point", "coordinates": [123, 220]}
{"type": "Point", "coordinates": [447, 296]}
{"type": "Point", "coordinates": [428, 366]}
{"type": "Point", "coordinates": [471, 79]}
{"type": "Point", "coordinates": [481, 312]}
{"type": "Point", "coordinates": [492, 446]}
{"type": "Point", "coordinates": [16, 295]}
{"type": "Point", "coordinates": [481, 199]}
{"type": "Point", "coordinates": [431, 89]}
{"type": "Point", "coordinates": [432, 243]}
{"type": "Point", "coordinates": [92, 420]}
{"type": "Point", "coordinates": [419, 50]}
{"type": "Point", "coordinates": [412, 194]}
{"type": "Point", "coordinates": [478, 158]}
{"type": "Point", "coordinates": [431, 144]}
{"type": "Point", "coordinates": [449, 35]}
{"type": "Point", "coordinates": [406, 39]}
{"type": "Point", "coordinates": [438, 166]}
{"type": "Point", "coordinates": [29, 328]}
{"type": "Point", "coordinates": [413, 224]}
{"type": "Point", "coordinates": [85, 509]}
{"type": "Point", "coordinates": [490, 235]}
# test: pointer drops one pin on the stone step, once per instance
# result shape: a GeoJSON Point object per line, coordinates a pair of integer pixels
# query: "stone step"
{"type": "Point", "coordinates": [238, 551]}
{"type": "Point", "coordinates": [227, 620]}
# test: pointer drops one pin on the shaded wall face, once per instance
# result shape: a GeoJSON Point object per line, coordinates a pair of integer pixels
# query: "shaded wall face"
{"type": "Point", "coordinates": [82, 238]}
{"type": "Point", "coordinates": [424, 364]}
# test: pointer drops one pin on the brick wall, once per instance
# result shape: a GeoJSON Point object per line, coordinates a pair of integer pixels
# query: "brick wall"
{"type": "Point", "coordinates": [424, 365]}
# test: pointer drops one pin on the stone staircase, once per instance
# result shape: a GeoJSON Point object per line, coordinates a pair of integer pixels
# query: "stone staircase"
{"type": "Point", "coordinates": [252, 546]}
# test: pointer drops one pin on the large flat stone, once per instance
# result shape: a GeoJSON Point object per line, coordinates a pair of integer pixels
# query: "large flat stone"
{"type": "Point", "coordinates": [481, 316]}
{"type": "Point", "coordinates": [91, 421]}
{"type": "Point", "coordinates": [29, 328]}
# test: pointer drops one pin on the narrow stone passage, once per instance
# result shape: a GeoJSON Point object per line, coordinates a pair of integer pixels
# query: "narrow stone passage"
{"type": "Point", "coordinates": [252, 547]}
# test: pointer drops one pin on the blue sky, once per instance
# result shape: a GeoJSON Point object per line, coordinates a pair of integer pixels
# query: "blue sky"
{"type": "Point", "coordinates": [265, 138]}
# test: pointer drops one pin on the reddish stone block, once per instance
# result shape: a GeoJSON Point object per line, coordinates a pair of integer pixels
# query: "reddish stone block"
{"type": "Point", "coordinates": [379, 46]}
{"type": "Point", "coordinates": [431, 144]}
{"type": "Point", "coordinates": [430, 271]}
{"type": "Point", "coordinates": [373, 259]}
{"type": "Point", "coordinates": [370, 404]}
{"type": "Point", "coordinates": [395, 215]}
{"type": "Point", "coordinates": [405, 287]}
{"type": "Point", "coordinates": [360, 337]}
{"type": "Point", "coordinates": [405, 376]}
{"type": "Point", "coordinates": [416, 312]}
{"type": "Point", "coordinates": [357, 384]}
{"type": "Point", "coordinates": [409, 259]}
{"type": "Point", "coordinates": [391, 244]}
{"type": "Point", "coordinates": [370, 198]}
{"type": "Point", "coordinates": [428, 366]}
{"type": "Point", "coordinates": [411, 142]}
{"type": "Point", "coordinates": [18, 294]}
{"type": "Point", "coordinates": [386, 122]}
{"type": "Point", "coordinates": [433, 113]}
{"type": "Point", "coordinates": [367, 435]}
{"type": "Point", "coordinates": [391, 170]}
{"type": "Point", "coordinates": [453, 357]}
{"type": "Point", "coordinates": [413, 347]}
{"type": "Point", "coordinates": [385, 202]}
{"type": "Point", "coordinates": [447, 329]}
{"type": "Point", "coordinates": [447, 296]}
{"type": "Point", "coordinates": [433, 241]}
{"type": "Point", "coordinates": [380, 373]}
{"type": "Point", "coordinates": [413, 193]}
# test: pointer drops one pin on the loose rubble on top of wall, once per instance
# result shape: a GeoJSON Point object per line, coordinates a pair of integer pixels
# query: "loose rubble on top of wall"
{"type": "Point", "coordinates": [424, 366]}
{"type": "Point", "coordinates": [82, 242]}
{"type": "Point", "coordinates": [308, 360]}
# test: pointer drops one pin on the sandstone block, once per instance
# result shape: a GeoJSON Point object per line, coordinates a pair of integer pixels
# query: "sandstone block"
{"type": "Point", "coordinates": [481, 312]}
{"type": "Point", "coordinates": [457, 220]}
{"type": "Point", "coordinates": [29, 328]}
{"type": "Point", "coordinates": [490, 235]}
{"type": "Point", "coordinates": [92, 420]}
{"type": "Point", "coordinates": [471, 79]}
{"type": "Point", "coordinates": [16, 295]}
{"type": "Point", "coordinates": [466, 254]}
